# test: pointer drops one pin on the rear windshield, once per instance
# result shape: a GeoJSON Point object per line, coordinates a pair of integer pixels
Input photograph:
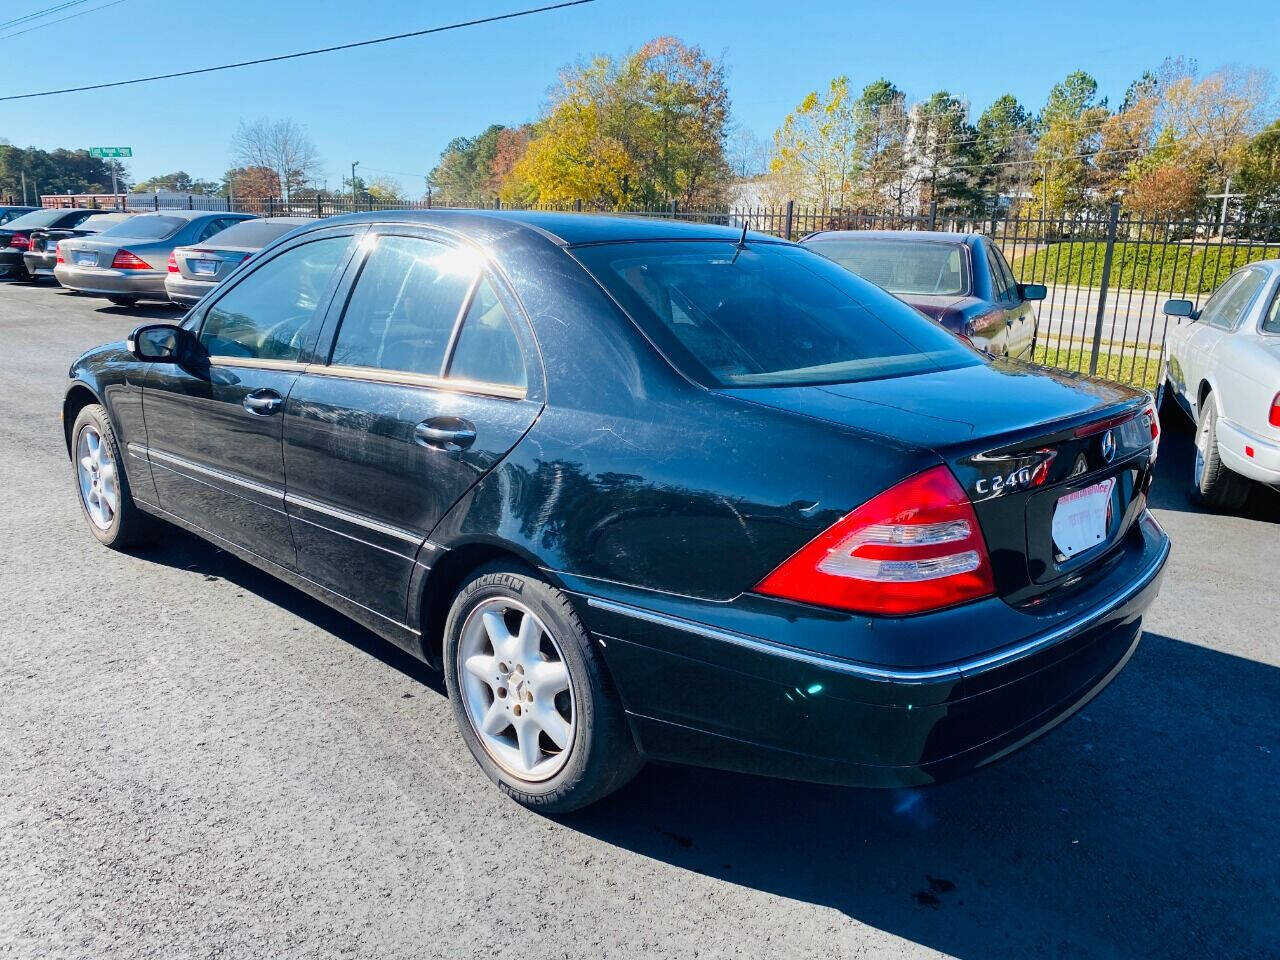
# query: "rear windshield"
{"type": "Point", "coordinates": [147, 227]}
{"type": "Point", "coordinates": [918, 267]}
{"type": "Point", "coordinates": [768, 314]}
{"type": "Point", "coordinates": [39, 218]}
{"type": "Point", "coordinates": [250, 233]}
{"type": "Point", "coordinates": [101, 221]}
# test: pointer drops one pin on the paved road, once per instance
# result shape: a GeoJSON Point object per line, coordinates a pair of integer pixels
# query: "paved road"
{"type": "Point", "coordinates": [196, 761]}
{"type": "Point", "coordinates": [1068, 316]}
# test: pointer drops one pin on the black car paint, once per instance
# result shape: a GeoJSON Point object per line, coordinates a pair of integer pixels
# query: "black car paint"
{"type": "Point", "coordinates": [12, 264]}
{"type": "Point", "coordinates": [1002, 325]}
{"type": "Point", "coordinates": [657, 504]}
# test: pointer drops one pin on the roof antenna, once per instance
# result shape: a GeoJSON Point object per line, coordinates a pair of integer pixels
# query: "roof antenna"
{"type": "Point", "coordinates": [741, 244]}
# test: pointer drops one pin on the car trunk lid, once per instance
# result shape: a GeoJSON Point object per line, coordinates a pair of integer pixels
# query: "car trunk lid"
{"type": "Point", "coordinates": [1019, 439]}
{"type": "Point", "coordinates": [207, 264]}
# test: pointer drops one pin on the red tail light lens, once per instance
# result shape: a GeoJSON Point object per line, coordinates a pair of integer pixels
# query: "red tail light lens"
{"type": "Point", "coordinates": [1274, 417]}
{"type": "Point", "coordinates": [20, 241]}
{"type": "Point", "coordinates": [58, 250]}
{"type": "Point", "coordinates": [173, 263]}
{"type": "Point", "coordinates": [914, 548]}
{"type": "Point", "coordinates": [124, 260]}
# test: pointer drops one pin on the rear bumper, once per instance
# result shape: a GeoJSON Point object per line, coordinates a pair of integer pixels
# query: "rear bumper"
{"type": "Point", "coordinates": [734, 700]}
{"type": "Point", "coordinates": [184, 291]}
{"type": "Point", "coordinates": [143, 284]}
{"type": "Point", "coordinates": [1234, 442]}
{"type": "Point", "coordinates": [11, 265]}
{"type": "Point", "coordinates": [40, 264]}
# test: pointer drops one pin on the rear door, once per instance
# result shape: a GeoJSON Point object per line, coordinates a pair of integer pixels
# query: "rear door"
{"type": "Point", "coordinates": [214, 424]}
{"type": "Point", "coordinates": [1221, 315]}
{"type": "Point", "coordinates": [427, 379]}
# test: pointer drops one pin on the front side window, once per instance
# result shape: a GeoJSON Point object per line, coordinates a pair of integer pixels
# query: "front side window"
{"type": "Point", "coordinates": [768, 314]}
{"type": "Point", "coordinates": [1228, 305]}
{"type": "Point", "coordinates": [405, 305]}
{"type": "Point", "coordinates": [1006, 272]}
{"type": "Point", "coordinates": [269, 313]}
{"type": "Point", "coordinates": [903, 267]}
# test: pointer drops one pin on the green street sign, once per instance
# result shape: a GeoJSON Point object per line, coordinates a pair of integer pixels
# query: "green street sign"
{"type": "Point", "coordinates": [111, 152]}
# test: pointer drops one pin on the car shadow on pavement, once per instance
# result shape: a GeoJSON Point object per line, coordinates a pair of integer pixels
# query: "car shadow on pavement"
{"type": "Point", "coordinates": [1144, 826]}
{"type": "Point", "coordinates": [1175, 468]}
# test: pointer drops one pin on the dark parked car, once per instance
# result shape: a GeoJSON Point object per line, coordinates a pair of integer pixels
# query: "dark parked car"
{"type": "Point", "coordinates": [42, 256]}
{"type": "Point", "coordinates": [643, 489]}
{"type": "Point", "coordinates": [15, 236]}
{"type": "Point", "coordinates": [129, 262]}
{"type": "Point", "coordinates": [12, 213]}
{"type": "Point", "coordinates": [961, 280]}
{"type": "Point", "coordinates": [194, 271]}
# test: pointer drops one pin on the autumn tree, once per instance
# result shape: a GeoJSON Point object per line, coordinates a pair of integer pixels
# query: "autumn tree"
{"type": "Point", "coordinates": [1214, 117]}
{"type": "Point", "coordinates": [281, 146]}
{"type": "Point", "coordinates": [251, 183]}
{"type": "Point", "coordinates": [815, 151]}
{"type": "Point", "coordinates": [1260, 170]}
{"type": "Point", "coordinates": [384, 190]}
{"type": "Point", "coordinates": [1069, 136]}
{"type": "Point", "coordinates": [464, 174]}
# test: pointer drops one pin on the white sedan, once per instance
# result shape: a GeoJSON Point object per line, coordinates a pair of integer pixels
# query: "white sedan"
{"type": "Point", "coordinates": [1223, 368]}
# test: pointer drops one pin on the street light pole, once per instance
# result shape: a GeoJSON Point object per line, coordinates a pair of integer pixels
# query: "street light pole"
{"type": "Point", "coordinates": [353, 184]}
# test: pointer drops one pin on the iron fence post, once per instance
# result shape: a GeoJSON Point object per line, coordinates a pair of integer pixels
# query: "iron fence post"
{"type": "Point", "coordinates": [577, 205]}
{"type": "Point", "coordinates": [933, 214]}
{"type": "Point", "coordinates": [791, 209]}
{"type": "Point", "coordinates": [1112, 221]}
{"type": "Point", "coordinates": [155, 201]}
{"type": "Point", "coordinates": [673, 209]}
{"type": "Point", "coordinates": [317, 205]}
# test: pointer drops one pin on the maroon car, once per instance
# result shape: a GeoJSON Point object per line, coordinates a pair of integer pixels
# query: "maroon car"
{"type": "Point", "coordinates": [962, 280]}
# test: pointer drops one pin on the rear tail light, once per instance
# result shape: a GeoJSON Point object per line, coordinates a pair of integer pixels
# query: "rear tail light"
{"type": "Point", "coordinates": [914, 548]}
{"type": "Point", "coordinates": [20, 241]}
{"type": "Point", "coordinates": [58, 249]}
{"type": "Point", "coordinates": [173, 263]}
{"type": "Point", "coordinates": [124, 260]}
{"type": "Point", "coordinates": [1274, 417]}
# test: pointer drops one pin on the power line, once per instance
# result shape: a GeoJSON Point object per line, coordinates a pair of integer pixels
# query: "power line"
{"type": "Point", "coordinates": [40, 26]}
{"type": "Point", "coordinates": [303, 53]}
{"type": "Point", "coordinates": [42, 13]}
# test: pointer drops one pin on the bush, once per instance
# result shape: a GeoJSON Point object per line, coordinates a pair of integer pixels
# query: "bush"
{"type": "Point", "coordinates": [1141, 265]}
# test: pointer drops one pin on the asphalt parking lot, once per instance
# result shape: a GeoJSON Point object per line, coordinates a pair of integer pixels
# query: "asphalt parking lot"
{"type": "Point", "coordinates": [198, 761]}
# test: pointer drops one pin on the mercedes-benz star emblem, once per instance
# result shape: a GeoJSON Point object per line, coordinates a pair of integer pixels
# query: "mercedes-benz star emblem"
{"type": "Point", "coordinates": [1108, 446]}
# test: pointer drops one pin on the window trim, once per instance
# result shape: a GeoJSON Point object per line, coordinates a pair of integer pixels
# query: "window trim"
{"type": "Point", "coordinates": [1272, 304]}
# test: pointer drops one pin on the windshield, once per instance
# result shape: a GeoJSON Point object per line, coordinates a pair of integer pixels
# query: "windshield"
{"type": "Point", "coordinates": [921, 267]}
{"type": "Point", "coordinates": [147, 227]}
{"type": "Point", "coordinates": [32, 221]}
{"type": "Point", "coordinates": [768, 314]}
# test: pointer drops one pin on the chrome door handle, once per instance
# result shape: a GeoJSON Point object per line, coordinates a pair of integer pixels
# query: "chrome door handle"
{"type": "Point", "coordinates": [263, 403]}
{"type": "Point", "coordinates": [445, 433]}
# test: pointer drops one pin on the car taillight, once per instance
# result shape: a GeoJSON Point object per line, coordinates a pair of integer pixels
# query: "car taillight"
{"type": "Point", "coordinates": [124, 260]}
{"type": "Point", "coordinates": [916, 547]}
{"type": "Point", "coordinates": [58, 250]}
{"type": "Point", "coordinates": [1274, 417]}
{"type": "Point", "coordinates": [173, 263]}
{"type": "Point", "coordinates": [20, 241]}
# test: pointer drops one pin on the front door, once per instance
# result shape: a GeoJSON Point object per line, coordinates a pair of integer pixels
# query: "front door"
{"type": "Point", "coordinates": [215, 423]}
{"type": "Point", "coordinates": [1020, 320]}
{"type": "Point", "coordinates": [429, 381]}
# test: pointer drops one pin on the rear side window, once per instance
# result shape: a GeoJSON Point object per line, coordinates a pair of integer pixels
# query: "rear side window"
{"type": "Point", "coordinates": [147, 227]}
{"type": "Point", "coordinates": [405, 305]}
{"type": "Point", "coordinates": [903, 267]}
{"type": "Point", "coordinates": [999, 286]}
{"type": "Point", "coordinates": [268, 315]}
{"type": "Point", "coordinates": [1271, 322]}
{"type": "Point", "coordinates": [768, 314]}
{"type": "Point", "coordinates": [487, 349]}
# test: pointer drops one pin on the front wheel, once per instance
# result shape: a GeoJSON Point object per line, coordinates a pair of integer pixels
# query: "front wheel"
{"type": "Point", "coordinates": [1213, 483]}
{"type": "Point", "coordinates": [531, 696]}
{"type": "Point", "coordinates": [101, 483]}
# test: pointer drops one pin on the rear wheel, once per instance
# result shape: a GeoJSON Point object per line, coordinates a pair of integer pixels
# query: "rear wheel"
{"type": "Point", "coordinates": [124, 301]}
{"type": "Point", "coordinates": [101, 483]}
{"type": "Point", "coordinates": [1214, 485]}
{"type": "Point", "coordinates": [531, 696]}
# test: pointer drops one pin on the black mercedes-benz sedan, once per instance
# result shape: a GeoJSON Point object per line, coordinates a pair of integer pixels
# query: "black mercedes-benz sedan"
{"type": "Point", "coordinates": [643, 490]}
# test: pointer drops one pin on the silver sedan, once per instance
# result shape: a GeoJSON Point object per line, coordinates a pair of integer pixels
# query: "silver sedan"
{"type": "Point", "coordinates": [130, 261]}
{"type": "Point", "coordinates": [194, 271]}
{"type": "Point", "coordinates": [1223, 369]}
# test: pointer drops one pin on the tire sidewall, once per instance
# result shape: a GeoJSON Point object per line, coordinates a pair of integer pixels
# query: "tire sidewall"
{"type": "Point", "coordinates": [570, 637]}
{"type": "Point", "coordinates": [94, 415]}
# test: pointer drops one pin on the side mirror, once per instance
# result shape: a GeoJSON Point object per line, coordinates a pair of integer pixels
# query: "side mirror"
{"type": "Point", "coordinates": [1180, 308]}
{"type": "Point", "coordinates": [1032, 291]}
{"type": "Point", "coordinates": [156, 342]}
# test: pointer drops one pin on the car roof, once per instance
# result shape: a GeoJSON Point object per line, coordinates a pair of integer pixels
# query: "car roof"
{"type": "Point", "coordinates": [565, 229]}
{"type": "Point", "coordinates": [186, 214]}
{"type": "Point", "coordinates": [920, 236]}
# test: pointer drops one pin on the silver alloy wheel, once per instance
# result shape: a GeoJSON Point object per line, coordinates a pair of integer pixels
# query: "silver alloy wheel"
{"type": "Point", "coordinates": [1202, 446]}
{"type": "Point", "coordinates": [516, 689]}
{"type": "Point", "coordinates": [99, 484]}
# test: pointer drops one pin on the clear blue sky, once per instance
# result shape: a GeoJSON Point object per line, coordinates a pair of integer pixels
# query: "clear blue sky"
{"type": "Point", "coordinates": [393, 107]}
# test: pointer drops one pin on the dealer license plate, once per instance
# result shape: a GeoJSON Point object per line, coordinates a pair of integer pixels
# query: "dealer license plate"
{"type": "Point", "coordinates": [1081, 519]}
{"type": "Point", "coordinates": [204, 268]}
{"type": "Point", "coordinates": [86, 259]}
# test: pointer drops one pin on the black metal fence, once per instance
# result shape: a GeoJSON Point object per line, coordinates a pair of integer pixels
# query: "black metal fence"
{"type": "Point", "coordinates": [1107, 273]}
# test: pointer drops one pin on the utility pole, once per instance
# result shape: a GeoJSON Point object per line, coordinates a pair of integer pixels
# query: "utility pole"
{"type": "Point", "coordinates": [24, 188]}
{"type": "Point", "coordinates": [115, 191]}
{"type": "Point", "coordinates": [353, 183]}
